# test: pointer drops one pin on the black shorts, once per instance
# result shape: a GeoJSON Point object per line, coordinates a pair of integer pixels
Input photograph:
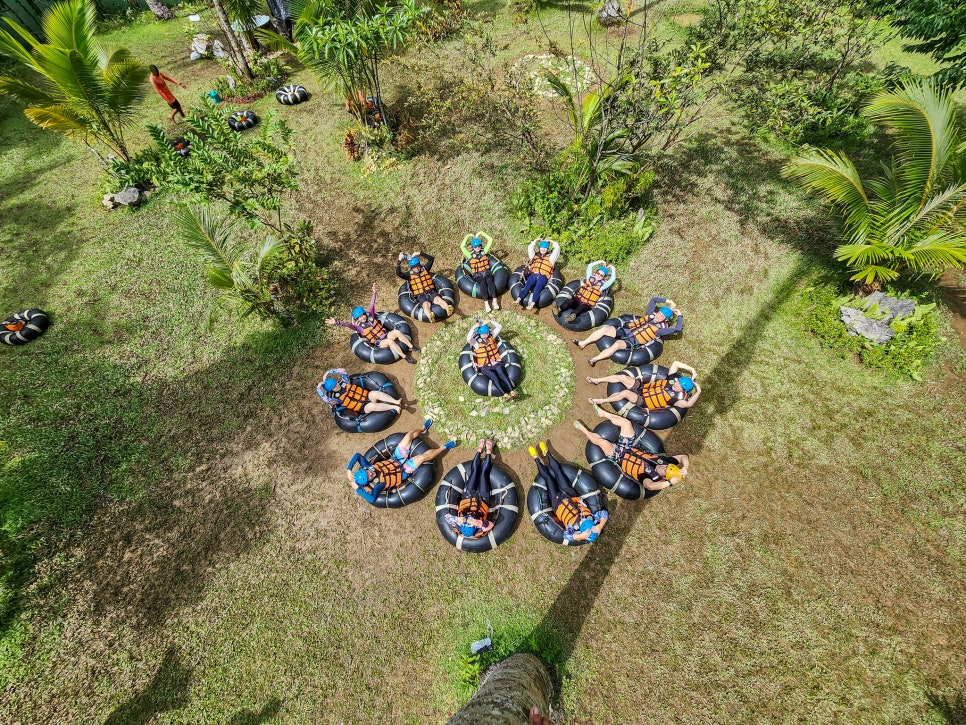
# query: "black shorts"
{"type": "Point", "coordinates": [427, 297]}
{"type": "Point", "coordinates": [176, 105]}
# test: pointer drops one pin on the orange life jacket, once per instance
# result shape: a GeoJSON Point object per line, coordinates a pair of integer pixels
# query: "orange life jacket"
{"type": "Point", "coordinates": [421, 283]}
{"type": "Point", "coordinates": [637, 464]}
{"type": "Point", "coordinates": [656, 394]}
{"type": "Point", "coordinates": [541, 264]}
{"type": "Point", "coordinates": [479, 264]}
{"type": "Point", "coordinates": [473, 507]}
{"type": "Point", "coordinates": [353, 397]}
{"type": "Point", "coordinates": [571, 510]}
{"type": "Point", "coordinates": [390, 472]}
{"type": "Point", "coordinates": [643, 330]}
{"type": "Point", "coordinates": [373, 332]}
{"type": "Point", "coordinates": [588, 293]}
{"type": "Point", "coordinates": [486, 353]}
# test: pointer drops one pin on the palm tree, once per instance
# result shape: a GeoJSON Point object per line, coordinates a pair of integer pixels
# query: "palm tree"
{"type": "Point", "coordinates": [232, 264]}
{"type": "Point", "coordinates": [913, 217]}
{"type": "Point", "coordinates": [344, 41]}
{"type": "Point", "coordinates": [81, 89]}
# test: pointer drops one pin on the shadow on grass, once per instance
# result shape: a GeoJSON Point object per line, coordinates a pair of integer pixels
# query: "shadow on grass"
{"type": "Point", "coordinates": [248, 717]}
{"type": "Point", "coordinates": [569, 611]}
{"type": "Point", "coordinates": [168, 690]}
{"type": "Point", "coordinates": [950, 707]}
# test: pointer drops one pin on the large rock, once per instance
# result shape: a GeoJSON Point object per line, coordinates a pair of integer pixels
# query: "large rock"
{"type": "Point", "coordinates": [610, 13]}
{"type": "Point", "coordinates": [858, 324]}
{"type": "Point", "coordinates": [128, 197]}
{"type": "Point", "coordinates": [892, 307]}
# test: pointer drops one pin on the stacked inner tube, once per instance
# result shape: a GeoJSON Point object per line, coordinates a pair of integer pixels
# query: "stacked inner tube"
{"type": "Point", "coordinates": [416, 486]}
{"type": "Point", "coordinates": [380, 355]}
{"type": "Point", "coordinates": [538, 503]}
{"type": "Point", "coordinates": [503, 499]}
{"type": "Point", "coordinates": [367, 422]}
{"type": "Point", "coordinates": [408, 304]}
{"type": "Point", "coordinates": [291, 95]}
{"type": "Point", "coordinates": [24, 326]}
{"type": "Point", "coordinates": [609, 474]}
{"type": "Point", "coordinates": [181, 147]}
{"type": "Point", "coordinates": [547, 294]}
{"type": "Point", "coordinates": [590, 319]}
{"type": "Point", "coordinates": [631, 355]}
{"type": "Point", "coordinates": [468, 285]}
{"type": "Point", "coordinates": [242, 120]}
{"type": "Point", "coordinates": [481, 385]}
{"type": "Point", "coordinates": [659, 419]}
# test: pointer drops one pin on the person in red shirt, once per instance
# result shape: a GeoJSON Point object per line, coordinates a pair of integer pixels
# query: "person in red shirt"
{"type": "Point", "coordinates": [158, 81]}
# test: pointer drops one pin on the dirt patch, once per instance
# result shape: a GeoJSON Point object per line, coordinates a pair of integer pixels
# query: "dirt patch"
{"type": "Point", "coordinates": [687, 19]}
{"type": "Point", "coordinates": [955, 297]}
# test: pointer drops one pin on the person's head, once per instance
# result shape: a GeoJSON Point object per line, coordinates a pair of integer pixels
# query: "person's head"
{"type": "Point", "coordinates": [599, 275]}
{"type": "Point", "coordinates": [359, 314]}
{"type": "Point", "coordinates": [670, 471]}
{"type": "Point", "coordinates": [414, 265]}
{"type": "Point", "coordinates": [543, 247]}
{"type": "Point", "coordinates": [483, 331]}
{"type": "Point", "coordinates": [586, 523]}
{"type": "Point", "coordinates": [330, 384]}
{"type": "Point", "coordinates": [154, 70]}
{"type": "Point", "coordinates": [663, 313]}
{"type": "Point", "coordinates": [476, 244]}
{"type": "Point", "coordinates": [467, 529]}
{"type": "Point", "coordinates": [683, 384]}
{"type": "Point", "coordinates": [361, 477]}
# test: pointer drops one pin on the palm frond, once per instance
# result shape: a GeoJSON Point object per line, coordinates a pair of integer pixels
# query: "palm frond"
{"type": "Point", "coordinates": [13, 48]}
{"type": "Point", "coordinates": [61, 118]}
{"type": "Point", "coordinates": [24, 92]}
{"type": "Point", "coordinates": [126, 83]}
{"type": "Point", "coordinates": [210, 237]}
{"type": "Point", "coordinates": [72, 25]}
{"type": "Point", "coordinates": [834, 177]}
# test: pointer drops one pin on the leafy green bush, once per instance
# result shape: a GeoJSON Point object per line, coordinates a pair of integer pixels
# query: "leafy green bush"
{"type": "Point", "coordinates": [917, 335]}
{"type": "Point", "coordinates": [268, 74]}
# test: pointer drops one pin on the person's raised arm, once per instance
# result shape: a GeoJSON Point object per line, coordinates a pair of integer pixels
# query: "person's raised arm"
{"type": "Point", "coordinates": [675, 328]}
{"type": "Point", "coordinates": [471, 333]}
{"type": "Point", "coordinates": [592, 266]}
{"type": "Point", "coordinates": [651, 485]}
{"type": "Point", "coordinates": [495, 327]}
{"type": "Point", "coordinates": [489, 241]}
{"type": "Point", "coordinates": [428, 264]}
{"type": "Point", "coordinates": [554, 252]}
{"type": "Point", "coordinates": [372, 302]}
{"type": "Point", "coordinates": [356, 458]}
{"type": "Point", "coordinates": [611, 278]}
{"type": "Point", "coordinates": [532, 248]}
{"type": "Point", "coordinates": [399, 270]}
{"type": "Point", "coordinates": [691, 399]}
{"type": "Point", "coordinates": [465, 246]}
{"type": "Point", "coordinates": [169, 78]}
{"type": "Point", "coordinates": [652, 305]}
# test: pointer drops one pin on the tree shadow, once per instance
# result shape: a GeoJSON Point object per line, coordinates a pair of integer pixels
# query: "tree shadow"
{"type": "Point", "coordinates": [266, 714]}
{"type": "Point", "coordinates": [950, 707]}
{"type": "Point", "coordinates": [569, 611]}
{"type": "Point", "coordinates": [168, 690]}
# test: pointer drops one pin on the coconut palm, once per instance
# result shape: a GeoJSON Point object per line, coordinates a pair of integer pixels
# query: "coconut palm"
{"type": "Point", "coordinates": [74, 85]}
{"type": "Point", "coordinates": [232, 263]}
{"type": "Point", "coordinates": [345, 41]}
{"type": "Point", "coordinates": [913, 217]}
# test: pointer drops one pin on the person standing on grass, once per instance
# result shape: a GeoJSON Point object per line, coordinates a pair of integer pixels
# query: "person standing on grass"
{"type": "Point", "coordinates": [158, 81]}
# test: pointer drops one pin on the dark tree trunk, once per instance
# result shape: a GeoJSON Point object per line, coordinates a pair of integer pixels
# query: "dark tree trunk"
{"type": "Point", "coordinates": [508, 692]}
{"type": "Point", "coordinates": [234, 45]}
{"type": "Point", "coordinates": [162, 12]}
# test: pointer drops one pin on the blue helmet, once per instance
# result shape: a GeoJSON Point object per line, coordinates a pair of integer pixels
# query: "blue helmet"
{"type": "Point", "coordinates": [483, 330]}
{"type": "Point", "coordinates": [586, 524]}
{"type": "Point", "coordinates": [358, 312]}
{"type": "Point", "coordinates": [361, 476]}
{"type": "Point", "coordinates": [666, 311]}
{"type": "Point", "coordinates": [476, 242]}
{"type": "Point", "coordinates": [544, 244]}
{"type": "Point", "coordinates": [467, 529]}
{"type": "Point", "coordinates": [328, 385]}
{"type": "Point", "coordinates": [687, 384]}
{"type": "Point", "coordinates": [414, 261]}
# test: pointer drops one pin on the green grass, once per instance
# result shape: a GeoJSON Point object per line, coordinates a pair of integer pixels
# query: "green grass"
{"type": "Point", "coordinates": [180, 545]}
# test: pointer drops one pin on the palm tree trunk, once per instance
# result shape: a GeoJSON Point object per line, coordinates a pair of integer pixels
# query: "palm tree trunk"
{"type": "Point", "coordinates": [507, 693]}
{"type": "Point", "coordinates": [234, 45]}
{"type": "Point", "coordinates": [162, 12]}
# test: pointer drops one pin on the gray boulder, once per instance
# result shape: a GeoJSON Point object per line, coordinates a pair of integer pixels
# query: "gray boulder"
{"type": "Point", "coordinates": [610, 13]}
{"type": "Point", "coordinates": [858, 324]}
{"type": "Point", "coordinates": [893, 307]}
{"type": "Point", "coordinates": [128, 197]}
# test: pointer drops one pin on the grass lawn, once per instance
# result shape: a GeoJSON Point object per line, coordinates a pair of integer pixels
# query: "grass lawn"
{"type": "Point", "coordinates": [179, 544]}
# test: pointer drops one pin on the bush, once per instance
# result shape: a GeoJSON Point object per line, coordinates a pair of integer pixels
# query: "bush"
{"type": "Point", "coordinates": [269, 74]}
{"type": "Point", "coordinates": [917, 336]}
{"type": "Point", "coordinates": [299, 279]}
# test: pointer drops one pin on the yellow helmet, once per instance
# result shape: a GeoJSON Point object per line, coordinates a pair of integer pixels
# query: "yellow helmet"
{"type": "Point", "coordinates": [671, 471]}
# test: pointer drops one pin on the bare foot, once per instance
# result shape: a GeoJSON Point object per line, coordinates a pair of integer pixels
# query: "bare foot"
{"type": "Point", "coordinates": [592, 381]}
{"type": "Point", "coordinates": [489, 446]}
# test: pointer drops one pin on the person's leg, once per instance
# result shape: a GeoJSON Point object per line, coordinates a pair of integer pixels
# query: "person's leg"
{"type": "Point", "coordinates": [554, 495]}
{"type": "Point", "coordinates": [376, 407]}
{"type": "Point", "coordinates": [560, 477]}
{"type": "Point", "coordinates": [428, 311]}
{"type": "Point", "coordinates": [629, 395]}
{"type": "Point", "coordinates": [500, 371]}
{"type": "Point", "coordinates": [607, 352]}
{"type": "Point", "coordinates": [580, 309]}
{"type": "Point", "coordinates": [490, 285]}
{"type": "Point", "coordinates": [569, 304]}
{"type": "Point", "coordinates": [380, 397]}
{"type": "Point", "coordinates": [625, 426]}
{"type": "Point", "coordinates": [399, 338]}
{"type": "Point", "coordinates": [538, 289]}
{"type": "Point", "coordinates": [605, 331]}
{"type": "Point", "coordinates": [621, 378]}
{"type": "Point", "coordinates": [487, 372]}
{"type": "Point", "coordinates": [388, 342]}
{"type": "Point", "coordinates": [605, 445]}
{"type": "Point", "coordinates": [529, 287]}
{"type": "Point", "coordinates": [417, 461]}
{"type": "Point", "coordinates": [483, 485]}
{"type": "Point", "coordinates": [473, 477]}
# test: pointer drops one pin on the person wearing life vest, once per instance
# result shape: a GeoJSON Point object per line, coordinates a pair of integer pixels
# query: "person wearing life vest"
{"type": "Point", "coordinates": [472, 512]}
{"type": "Point", "coordinates": [338, 392]}
{"type": "Point", "coordinates": [543, 254]}
{"type": "Point", "coordinates": [367, 325]}
{"type": "Point", "coordinates": [653, 471]}
{"type": "Point", "coordinates": [484, 340]}
{"type": "Point", "coordinates": [421, 285]}
{"type": "Point", "coordinates": [677, 390]}
{"type": "Point", "coordinates": [600, 276]}
{"type": "Point", "coordinates": [477, 263]}
{"type": "Point", "coordinates": [373, 477]}
{"type": "Point", "coordinates": [580, 522]}
{"type": "Point", "coordinates": [639, 331]}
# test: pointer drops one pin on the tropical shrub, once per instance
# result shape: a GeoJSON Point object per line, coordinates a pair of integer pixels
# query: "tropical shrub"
{"type": "Point", "coordinates": [912, 219]}
{"type": "Point", "coordinates": [793, 68]}
{"type": "Point", "coordinates": [939, 27]}
{"type": "Point", "coordinates": [267, 75]}
{"type": "Point", "coordinates": [83, 90]}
